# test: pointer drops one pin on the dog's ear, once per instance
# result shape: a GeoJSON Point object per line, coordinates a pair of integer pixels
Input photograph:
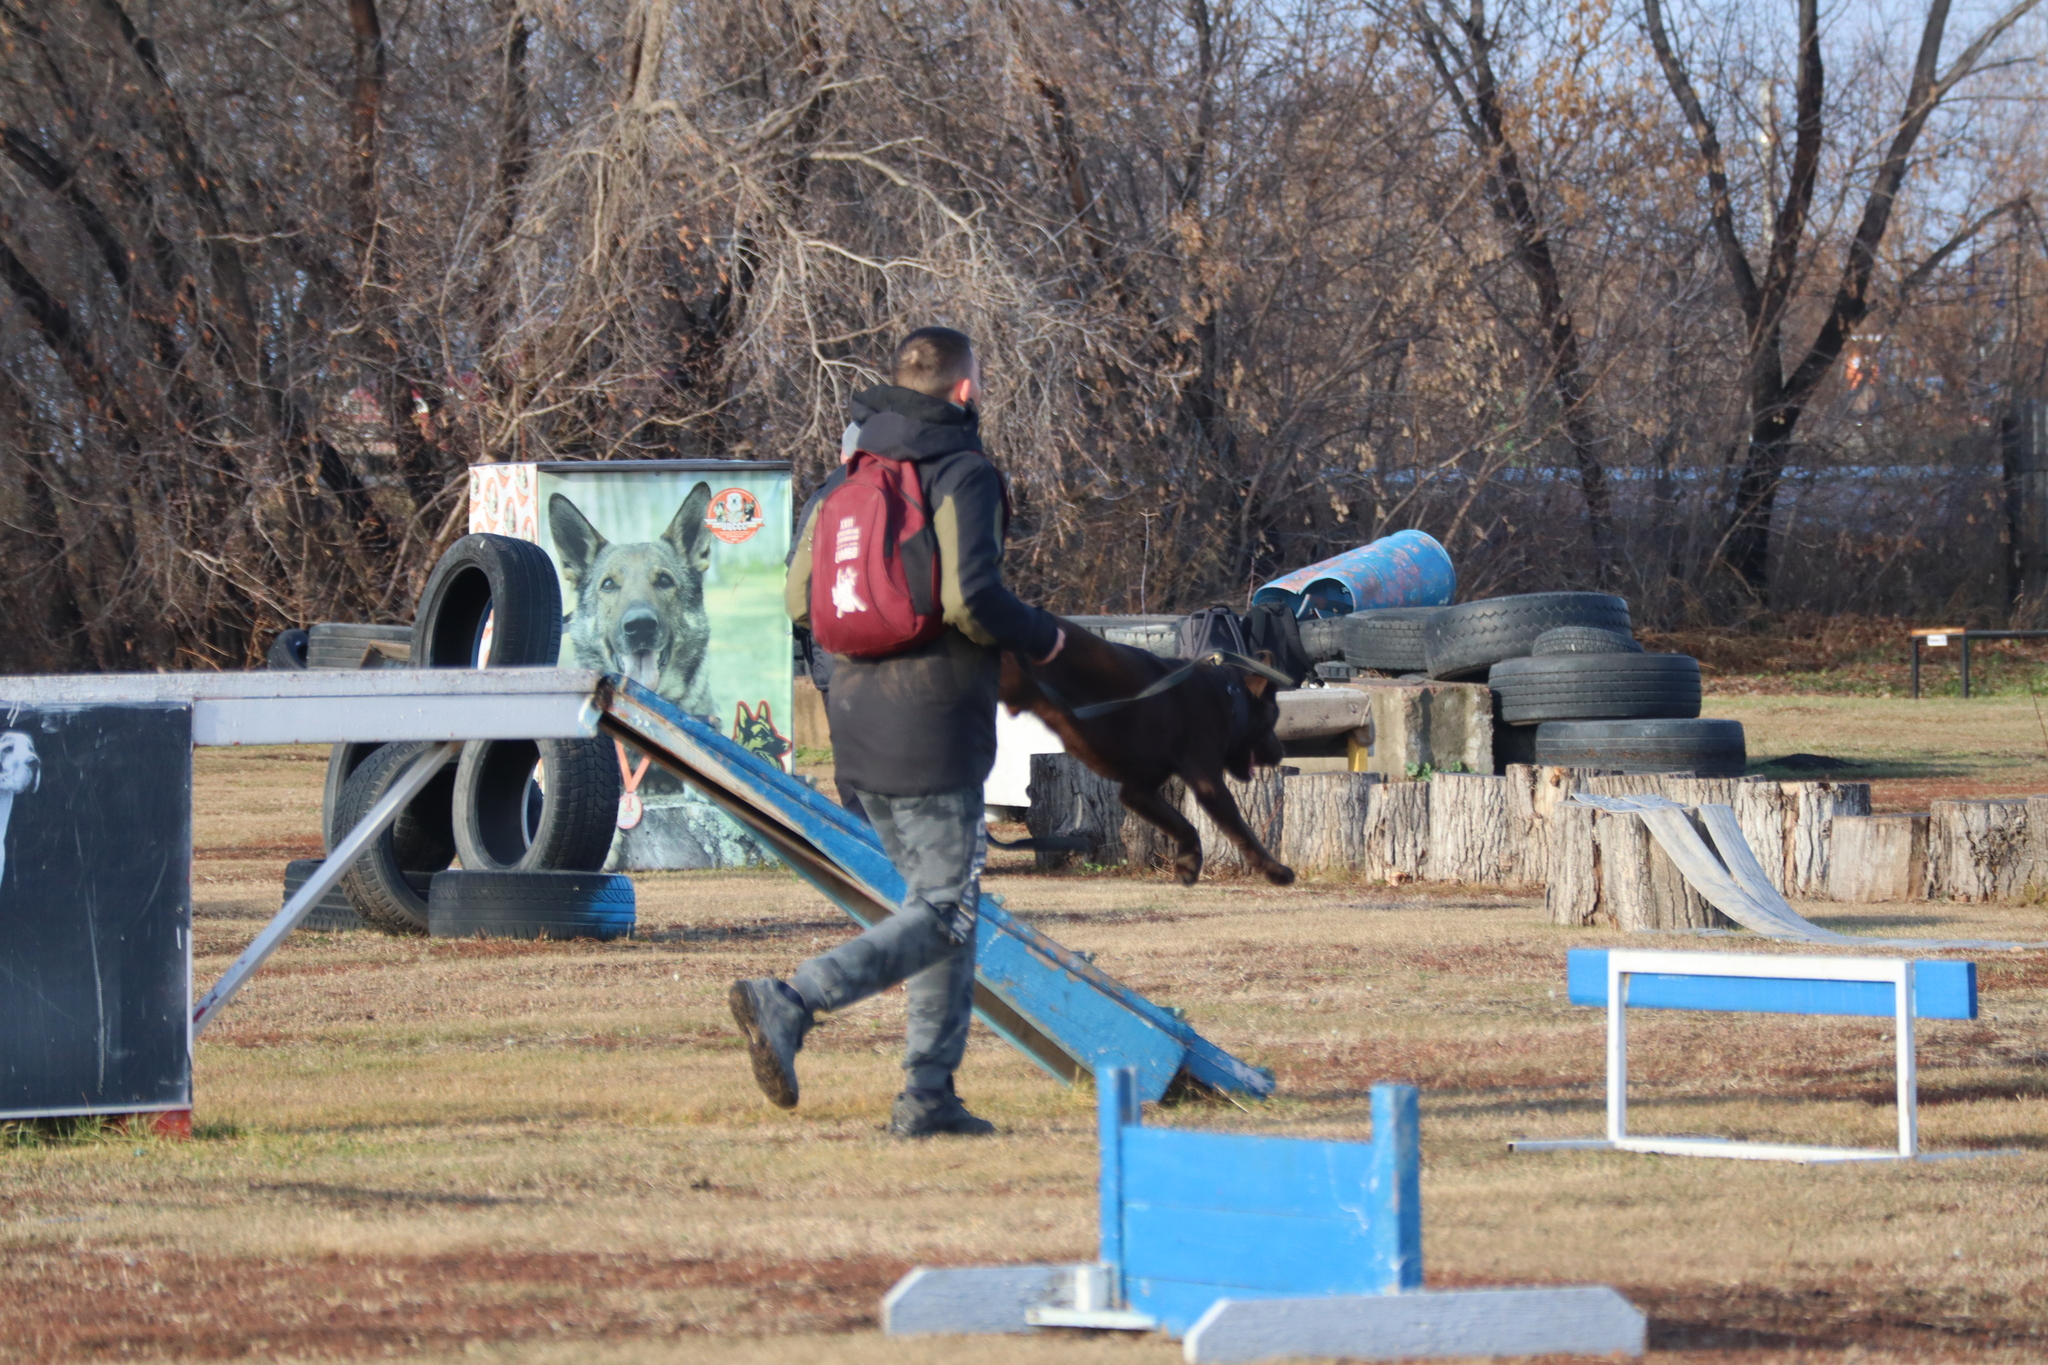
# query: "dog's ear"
{"type": "Point", "coordinates": [687, 533]}
{"type": "Point", "coordinates": [576, 540]}
{"type": "Point", "coordinates": [1257, 683]}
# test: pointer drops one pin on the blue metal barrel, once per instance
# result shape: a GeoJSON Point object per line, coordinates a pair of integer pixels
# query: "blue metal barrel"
{"type": "Point", "coordinates": [1405, 569]}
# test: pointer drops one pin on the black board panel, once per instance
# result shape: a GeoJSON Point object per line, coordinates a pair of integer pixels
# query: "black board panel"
{"type": "Point", "coordinates": [95, 909]}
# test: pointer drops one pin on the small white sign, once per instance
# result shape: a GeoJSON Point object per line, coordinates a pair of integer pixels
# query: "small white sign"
{"type": "Point", "coordinates": [1936, 641]}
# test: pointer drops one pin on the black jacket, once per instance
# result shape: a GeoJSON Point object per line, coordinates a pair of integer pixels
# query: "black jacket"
{"type": "Point", "coordinates": [925, 721]}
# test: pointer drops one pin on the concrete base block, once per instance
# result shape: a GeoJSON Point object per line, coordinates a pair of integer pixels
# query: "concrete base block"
{"type": "Point", "coordinates": [1577, 1320]}
{"type": "Point", "coordinates": [975, 1301]}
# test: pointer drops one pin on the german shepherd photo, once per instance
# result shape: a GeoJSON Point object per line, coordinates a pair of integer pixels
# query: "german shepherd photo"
{"type": "Point", "coordinates": [639, 607]}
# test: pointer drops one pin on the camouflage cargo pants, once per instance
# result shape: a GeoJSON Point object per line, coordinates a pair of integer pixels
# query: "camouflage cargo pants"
{"type": "Point", "coordinates": [938, 843]}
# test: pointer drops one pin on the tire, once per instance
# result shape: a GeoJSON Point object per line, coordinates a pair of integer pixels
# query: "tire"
{"type": "Point", "coordinates": [485, 579]}
{"type": "Point", "coordinates": [1710, 748]}
{"type": "Point", "coordinates": [1388, 640]}
{"type": "Point", "coordinates": [1584, 640]}
{"type": "Point", "coordinates": [1466, 640]}
{"type": "Point", "coordinates": [504, 822]}
{"type": "Point", "coordinates": [335, 644]}
{"type": "Point", "coordinates": [387, 883]}
{"type": "Point", "coordinates": [1322, 639]}
{"type": "Point", "coordinates": [287, 653]}
{"type": "Point", "coordinates": [332, 913]}
{"type": "Point", "coordinates": [1596, 687]}
{"type": "Point", "coordinates": [557, 905]}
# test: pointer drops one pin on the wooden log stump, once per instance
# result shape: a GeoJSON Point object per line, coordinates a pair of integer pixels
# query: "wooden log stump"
{"type": "Point", "coordinates": [1640, 887]}
{"type": "Point", "coordinates": [1068, 799]}
{"type": "Point", "coordinates": [1326, 816]}
{"type": "Point", "coordinates": [1977, 850]}
{"type": "Point", "coordinates": [1760, 810]}
{"type": "Point", "coordinates": [2035, 884]}
{"type": "Point", "coordinates": [1571, 888]}
{"type": "Point", "coordinates": [1878, 858]}
{"type": "Point", "coordinates": [1810, 811]}
{"type": "Point", "coordinates": [1528, 841]}
{"type": "Point", "coordinates": [1468, 829]}
{"type": "Point", "coordinates": [1263, 803]}
{"type": "Point", "coordinates": [1397, 832]}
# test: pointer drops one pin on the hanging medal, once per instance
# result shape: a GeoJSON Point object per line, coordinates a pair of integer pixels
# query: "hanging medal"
{"type": "Point", "coordinates": [630, 808]}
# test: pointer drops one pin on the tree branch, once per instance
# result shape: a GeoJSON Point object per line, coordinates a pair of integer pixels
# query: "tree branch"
{"type": "Point", "coordinates": [1720, 202]}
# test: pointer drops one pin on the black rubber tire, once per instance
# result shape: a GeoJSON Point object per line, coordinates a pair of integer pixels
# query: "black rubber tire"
{"type": "Point", "coordinates": [1322, 638]}
{"type": "Point", "coordinates": [509, 583]}
{"type": "Point", "coordinates": [1596, 687]}
{"type": "Point", "coordinates": [1710, 748]}
{"type": "Point", "coordinates": [342, 761]}
{"type": "Point", "coordinates": [287, 653]}
{"type": "Point", "coordinates": [338, 644]}
{"type": "Point", "coordinates": [387, 881]}
{"type": "Point", "coordinates": [416, 842]}
{"type": "Point", "coordinates": [556, 905]}
{"type": "Point", "coordinates": [332, 914]}
{"type": "Point", "coordinates": [504, 823]}
{"type": "Point", "coordinates": [1466, 640]}
{"type": "Point", "coordinates": [1584, 640]}
{"type": "Point", "coordinates": [1388, 639]}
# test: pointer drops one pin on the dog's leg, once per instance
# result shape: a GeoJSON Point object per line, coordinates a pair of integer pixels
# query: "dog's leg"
{"type": "Point", "coordinates": [1215, 798]}
{"type": "Point", "coordinates": [1148, 805]}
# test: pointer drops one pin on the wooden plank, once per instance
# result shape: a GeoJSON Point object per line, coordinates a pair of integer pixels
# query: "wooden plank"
{"type": "Point", "coordinates": [1228, 1249]}
{"type": "Point", "coordinates": [1572, 1320]}
{"type": "Point", "coordinates": [1058, 1007]}
{"type": "Point", "coordinates": [1941, 990]}
{"type": "Point", "coordinates": [1171, 1168]}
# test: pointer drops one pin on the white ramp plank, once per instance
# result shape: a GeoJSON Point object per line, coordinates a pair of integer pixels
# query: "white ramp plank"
{"type": "Point", "coordinates": [975, 1301]}
{"type": "Point", "coordinates": [1574, 1320]}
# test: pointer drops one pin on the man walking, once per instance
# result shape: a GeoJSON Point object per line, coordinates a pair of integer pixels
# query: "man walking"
{"type": "Point", "coordinates": [913, 729]}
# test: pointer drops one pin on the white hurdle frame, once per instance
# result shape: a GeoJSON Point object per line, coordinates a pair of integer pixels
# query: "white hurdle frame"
{"type": "Point", "coordinates": [1624, 963]}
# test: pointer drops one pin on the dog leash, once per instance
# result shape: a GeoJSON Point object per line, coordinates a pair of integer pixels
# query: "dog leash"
{"type": "Point", "coordinates": [1167, 683]}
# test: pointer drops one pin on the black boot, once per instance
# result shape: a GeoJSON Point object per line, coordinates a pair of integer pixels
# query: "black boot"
{"type": "Point", "coordinates": [919, 1112]}
{"type": "Point", "coordinates": [774, 1019]}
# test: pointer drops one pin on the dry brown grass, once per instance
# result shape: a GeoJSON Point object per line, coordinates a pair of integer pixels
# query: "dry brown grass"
{"type": "Point", "coordinates": [542, 1153]}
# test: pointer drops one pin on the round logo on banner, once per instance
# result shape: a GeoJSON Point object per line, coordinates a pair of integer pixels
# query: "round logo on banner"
{"type": "Point", "coordinates": [735, 514]}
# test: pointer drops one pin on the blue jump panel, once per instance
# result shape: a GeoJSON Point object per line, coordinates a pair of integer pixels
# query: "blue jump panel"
{"type": "Point", "coordinates": [1189, 1218]}
{"type": "Point", "coordinates": [1941, 990]}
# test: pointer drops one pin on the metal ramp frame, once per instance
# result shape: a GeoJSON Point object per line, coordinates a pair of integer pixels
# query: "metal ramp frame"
{"type": "Point", "coordinates": [1051, 1003]}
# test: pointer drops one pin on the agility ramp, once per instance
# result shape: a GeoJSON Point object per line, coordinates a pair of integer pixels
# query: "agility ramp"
{"type": "Point", "coordinates": [1050, 1003]}
{"type": "Point", "coordinates": [1729, 877]}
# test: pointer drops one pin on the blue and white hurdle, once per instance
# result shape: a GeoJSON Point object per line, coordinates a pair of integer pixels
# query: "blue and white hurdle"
{"type": "Point", "coordinates": [1899, 988]}
{"type": "Point", "coordinates": [1250, 1248]}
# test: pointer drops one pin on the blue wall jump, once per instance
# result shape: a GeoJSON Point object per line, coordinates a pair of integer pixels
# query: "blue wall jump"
{"type": "Point", "coordinates": [1941, 990]}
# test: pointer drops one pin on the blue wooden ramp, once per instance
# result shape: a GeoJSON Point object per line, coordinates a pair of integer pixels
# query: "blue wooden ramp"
{"type": "Point", "coordinates": [1048, 1002]}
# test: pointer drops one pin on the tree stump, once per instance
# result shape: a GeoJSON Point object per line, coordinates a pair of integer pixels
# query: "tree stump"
{"type": "Point", "coordinates": [1810, 811]}
{"type": "Point", "coordinates": [1263, 803]}
{"type": "Point", "coordinates": [1760, 810]}
{"type": "Point", "coordinates": [1066, 800]}
{"type": "Point", "coordinates": [1468, 829]}
{"type": "Point", "coordinates": [1641, 887]}
{"type": "Point", "coordinates": [1397, 832]}
{"type": "Point", "coordinates": [1324, 828]}
{"type": "Point", "coordinates": [2035, 882]}
{"type": "Point", "coordinates": [1571, 887]}
{"type": "Point", "coordinates": [1878, 858]}
{"type": "Point", "coordinates": [1977, 850]}
{"type": "Point", "coordinates": [1527, 839]}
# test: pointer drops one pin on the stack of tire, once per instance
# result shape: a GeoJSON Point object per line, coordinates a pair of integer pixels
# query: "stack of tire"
{"type": "Point", "coordinates": [1571, 685]}
{"type": "Point", "coordinates": [532, 821]}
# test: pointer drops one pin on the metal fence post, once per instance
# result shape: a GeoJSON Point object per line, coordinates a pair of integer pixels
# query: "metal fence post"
{"type": "Point", "coordinates": [1966, 665]}
{"type": "Point", "coordinates": [1916, 668]}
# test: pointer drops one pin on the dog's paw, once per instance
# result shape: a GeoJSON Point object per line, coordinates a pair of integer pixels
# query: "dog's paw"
{"type": "Point", "coordinates": [1280, 875]}
{"type": "Point", "coordinates": [1188, 869]}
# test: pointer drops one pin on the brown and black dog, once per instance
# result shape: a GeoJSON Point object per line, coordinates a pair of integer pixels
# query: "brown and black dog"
{"type": "Point", "coordinates": [1219, 720]}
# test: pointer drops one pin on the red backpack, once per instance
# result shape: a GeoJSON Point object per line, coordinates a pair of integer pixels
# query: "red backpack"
{"type": "Point", "coordinates": [875, 563]}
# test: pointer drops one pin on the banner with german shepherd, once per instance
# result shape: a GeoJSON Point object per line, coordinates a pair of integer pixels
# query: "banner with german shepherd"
{"type": "Point", "coordinates": [672, 575]}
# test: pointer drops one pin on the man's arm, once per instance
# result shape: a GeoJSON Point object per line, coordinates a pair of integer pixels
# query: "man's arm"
{"type": "Point", "coordinates": [967, 516]}
{"type": "Point", "coordinates": [796, 584]}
